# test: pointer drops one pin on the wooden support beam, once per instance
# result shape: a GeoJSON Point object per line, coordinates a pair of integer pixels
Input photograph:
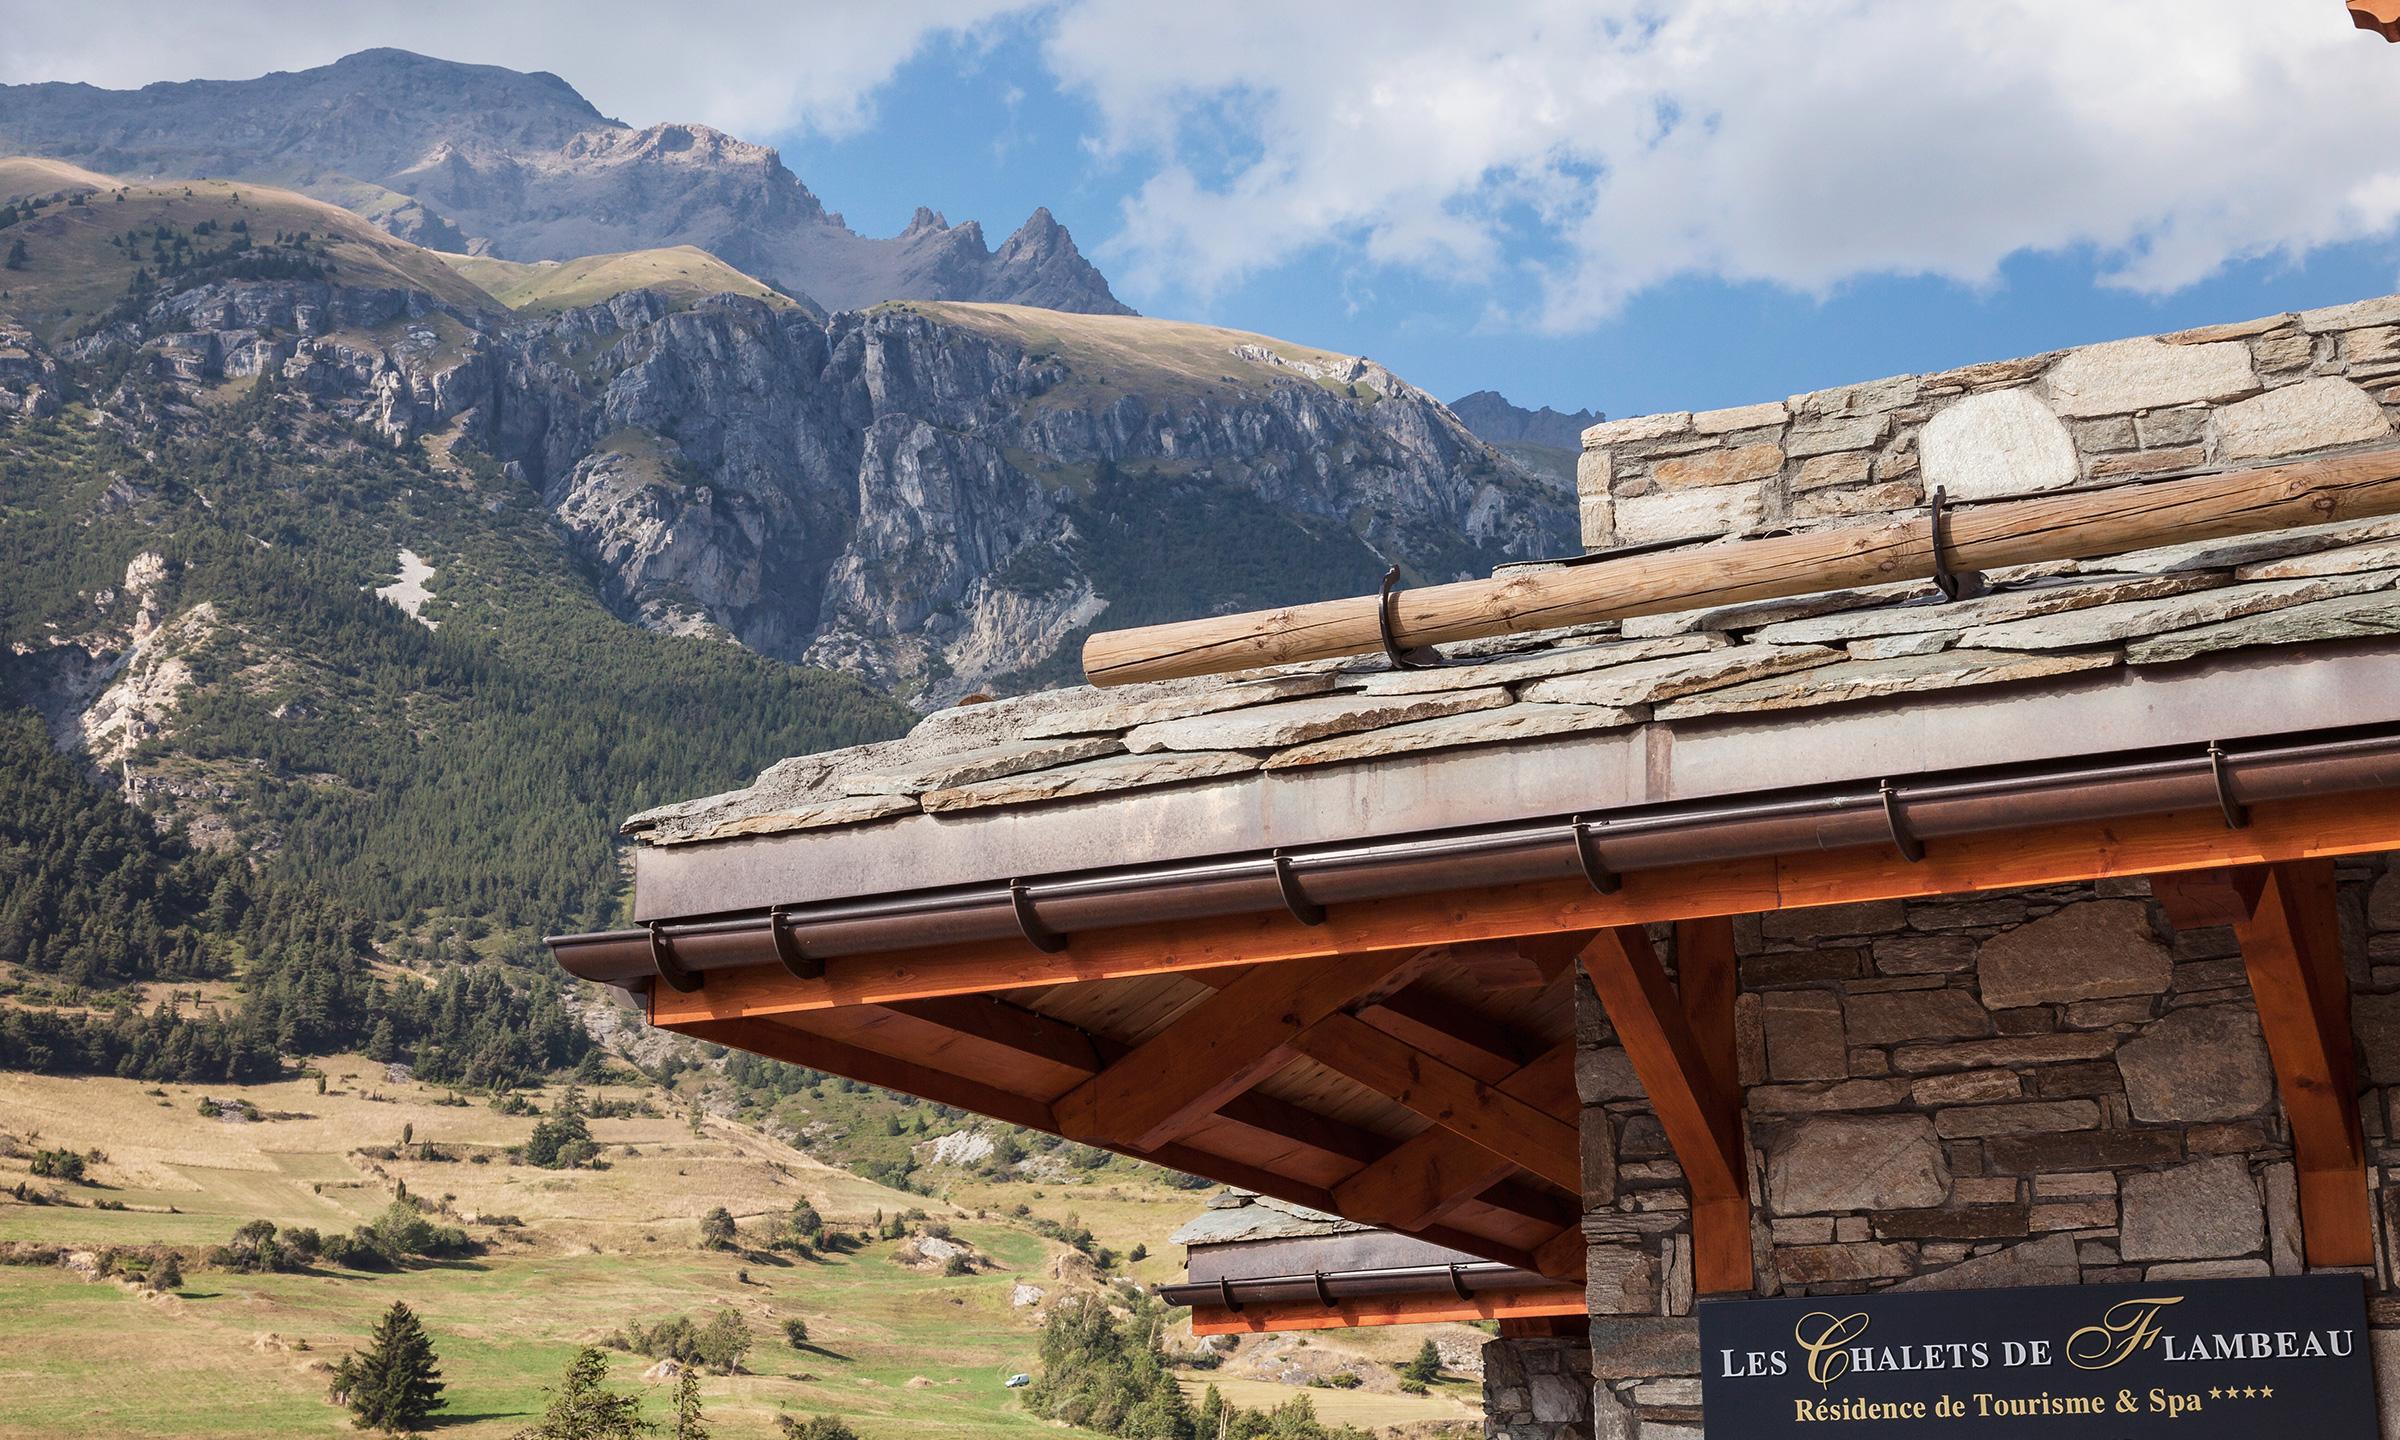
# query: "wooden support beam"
{"type": "Point", "coordinates": [1483, 1048]}
{"type": "Point", "coordinates": [1700, 1113]}
{"type": "Point", "coordinates": [994, 1021]}
{"type": "Point", "coordinates": [1489, 1117]}
{"type": "Point", "coordinates": [1223, 1046]}
{"type": "Point", "coordinates": [1705, 984]}
{"type": "Point", "coordinates": [782, 1040]}
{"type": "Point", "coordinates": [1436, 1169]}
{"type": "Point", "coordinates": [1505, 1306]}
{"type": "Point", "coordinates": [2284, 916]}
{"type": "Point", "coordinates": [2063, 526]}
{"type": "Point", "coordinates": [2140, 845]}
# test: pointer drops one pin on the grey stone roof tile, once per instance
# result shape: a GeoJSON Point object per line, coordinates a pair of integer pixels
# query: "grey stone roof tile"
{"type": "Point", "coordinates": [1091, 777]}
{"type": "Point", "coordinates": [2103, 624]}
{"type": "Point", "coordinates": [1449, 732]}
{"type": "Point", "coordinates": [1296, 722]}
{"type": "Point", "coordinates": [2344, 617]}
{"type": "Point", "coordinates": [1856, 680]}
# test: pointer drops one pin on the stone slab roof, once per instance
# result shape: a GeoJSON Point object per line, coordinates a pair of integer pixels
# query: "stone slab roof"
{"type": "Point", "coordinates": [2226, 397]}
{"type": "Point", "coordinates": [1841, 648]}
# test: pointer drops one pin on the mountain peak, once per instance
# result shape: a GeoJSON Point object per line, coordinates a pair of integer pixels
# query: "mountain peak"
{"type": "Point", "coordinates": [1494, 418]}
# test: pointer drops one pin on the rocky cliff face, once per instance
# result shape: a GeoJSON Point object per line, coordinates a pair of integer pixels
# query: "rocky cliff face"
{"type": "Point", "coordinates": [938, 497]}
{"type": "Point", "coordinates": [520, 166]}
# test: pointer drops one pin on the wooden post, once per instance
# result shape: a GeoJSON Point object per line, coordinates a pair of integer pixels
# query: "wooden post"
{"type": "Point", "coordinates": [2283, 915]}
{"type": "Point", "coordinates": [1701, 1114]}
{"type": "Point", "coordinates": [2047, 527]}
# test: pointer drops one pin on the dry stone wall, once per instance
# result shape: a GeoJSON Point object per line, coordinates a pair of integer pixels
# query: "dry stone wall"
{"type": "Point", "coordinates": [2047, 1086]}
{"type": "Point", "coordinates": [2228, 395]}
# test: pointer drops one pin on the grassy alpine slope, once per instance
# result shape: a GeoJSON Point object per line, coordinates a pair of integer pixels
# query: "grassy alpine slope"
{"type": "Point", "coordinates": [680, 273]}
{"type": "Point", "coordinates": [899, 1350]}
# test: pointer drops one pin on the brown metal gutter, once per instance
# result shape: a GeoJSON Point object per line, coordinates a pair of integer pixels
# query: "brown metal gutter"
{"type": "Point", "coordinates": [1562, 847]}
{"type": "Point", "coordinates": [1481, 1277]}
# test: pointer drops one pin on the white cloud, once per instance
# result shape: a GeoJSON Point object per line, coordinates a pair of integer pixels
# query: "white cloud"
{"type": "Point", "coordinates": [752, 67]}
{"type": "Point", "coordinates": [1612, 145]}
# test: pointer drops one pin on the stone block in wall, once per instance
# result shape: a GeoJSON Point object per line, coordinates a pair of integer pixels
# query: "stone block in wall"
{"type": "Point", "coordinates": [2011, 1050]}
{"type": "Point", "coordinates": [1997, 444]}
{"type": "Point", "coordinates": [1804, 1034]}
{"type": "Point", "coordinates": [1915, 1015]}
{"type": "Point", "coordinates": [1804, 1265]}
{"type": "Point", "coordinates": [2205, 1210]}
{"type": "Point", "coordinates": [1966, 1222]}
{"type": "Point", "coordinates": [1823, 472]}
{"type": "Point", "coordinates": [1967, 1087]}
{"type": "Point", "coordinates": [1604, 1073]}
{"type": "Point", "coordinates": [2033, 1117]}
{"type": "Point", "coordinates": [2083, 1150]}
{"type": "Point", "coordinates": [2206, 1062]}
{"type": "Point", "coordinates": [1631, 1347]}
{"type": "Point", "coordinates": [1924, 954]}
{"type": "Point", "coordinates": [1856, 1162]}
{"type": "Point", "coordinates": [2145, 374]}
{"type": "Point", "coordinates": [1693, 514]}
{"type": "Point", "coordinates": [2089, 951]}
{"type": "Point", "coordinates": [1733, 466]}
{"type": "Point", "coordinates": [2316, 414]}
{"type": "Point", "coordinates": [2047, 1261]}
{"type": "Point", "coordinates": [1824, 437]}
{"type": "Point", "coordinates": [1620, 1280]}
{"type": "Point", "coordinates": [2376, 1021]}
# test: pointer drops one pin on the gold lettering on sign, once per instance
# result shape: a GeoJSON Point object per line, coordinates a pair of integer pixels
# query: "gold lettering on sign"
{"type": "Point", "coordinates": [2125, 1328]}
{"type": "Point", "coordinates": [1823, 1335]}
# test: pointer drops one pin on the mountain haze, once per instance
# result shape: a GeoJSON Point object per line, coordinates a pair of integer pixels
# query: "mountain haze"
{"type": "Point", "coordinates": [482, 159]}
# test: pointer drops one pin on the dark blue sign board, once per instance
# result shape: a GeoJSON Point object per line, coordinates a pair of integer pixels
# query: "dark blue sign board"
{"type": "Point", "coordinates": [2203, 1360]}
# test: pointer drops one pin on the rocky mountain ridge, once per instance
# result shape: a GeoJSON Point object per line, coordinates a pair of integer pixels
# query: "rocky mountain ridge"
{"type": "Point", "coordinates": [938, 497]}
{"type": "Point", "coordinates": [484, 159]}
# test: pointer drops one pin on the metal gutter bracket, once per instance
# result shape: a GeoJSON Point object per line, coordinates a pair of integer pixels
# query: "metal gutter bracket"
{"type": "Point", "coordinates": [1304, 910]}
{"type": "Point", "coordinates": [2237, 815]}
{"type": "Point", "coordinates": [1903, 839]}
{"type": "Point", "coordinates": [1041, 937]}
{"type": "Point", "coordinates": [1587, 855]}
{"type": "Point", "coordinates": [789, 950]}
{"type": "Point", "coordinates": [662, 958]}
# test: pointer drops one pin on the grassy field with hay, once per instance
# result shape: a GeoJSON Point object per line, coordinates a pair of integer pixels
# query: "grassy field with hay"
{"type": "Point", "coordinates": [896, 1347]}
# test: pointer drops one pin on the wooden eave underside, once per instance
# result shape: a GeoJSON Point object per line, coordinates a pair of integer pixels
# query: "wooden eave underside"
{"type": "Point", "coordinates": [1409, 1063]}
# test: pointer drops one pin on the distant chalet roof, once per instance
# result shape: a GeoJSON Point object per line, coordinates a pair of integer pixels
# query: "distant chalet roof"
{"type": "Point", "coordinates": [1236, 1216]}
{"type": "Point", "coordinates": [1793, 659]}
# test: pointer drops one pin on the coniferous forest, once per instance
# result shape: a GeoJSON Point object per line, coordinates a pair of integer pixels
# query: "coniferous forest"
{"type": "Point", "coordinates": [354, 826]}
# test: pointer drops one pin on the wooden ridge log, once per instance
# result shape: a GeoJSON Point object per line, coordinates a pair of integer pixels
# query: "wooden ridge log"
{"type": "Point", "coordinates": [2076, 525]}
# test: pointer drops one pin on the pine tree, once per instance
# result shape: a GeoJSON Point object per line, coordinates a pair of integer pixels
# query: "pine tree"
{"type": "Point", "coordinates": [584, 1408]}
{"type": "Point", "coordinates": [16, 254]}
{"type": "Point", "coordinates": [1426, 1367]}
{"type": "Point", "coordinates": [688, 1423]}
{"type": "Point", "coordinates": [717, 1230]}
{"type": "Point", "coordinates": [392, 1386]}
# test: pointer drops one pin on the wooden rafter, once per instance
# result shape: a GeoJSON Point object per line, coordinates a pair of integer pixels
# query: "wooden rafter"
{"type": "Point", "coordinates": [2140, 845]}
{"type": "Point", "coordinates": [1526, 1137]}
{"type": "Point", "coordinates": [1701, 1113]}
{"type": "Point", "coordinates": [2284, 916]}
{"type": "Point", "coordinates": [1437, 1169]}
{"type": "Point", "coordinates": [1223, 1046]}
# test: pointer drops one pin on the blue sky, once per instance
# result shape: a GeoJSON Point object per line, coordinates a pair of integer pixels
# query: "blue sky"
{"type": "Point", "coordinates": [979, 130]}
{"type": "Point", "coordinates": [1630, 205]}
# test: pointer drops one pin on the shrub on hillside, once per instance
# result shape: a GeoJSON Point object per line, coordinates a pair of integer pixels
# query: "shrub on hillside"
{"type": "Point", "coordinates": [58, 1165]}
{"type": "Point", "coordinates": [718, 1342]}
